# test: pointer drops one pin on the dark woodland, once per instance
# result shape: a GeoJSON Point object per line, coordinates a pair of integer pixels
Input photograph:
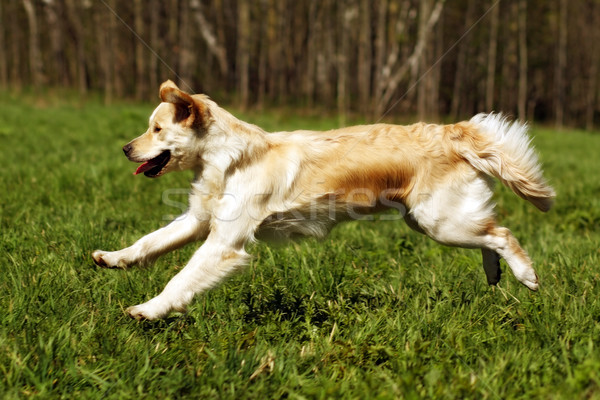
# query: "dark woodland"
{"type": "Point", "coordinates": [431, 59]}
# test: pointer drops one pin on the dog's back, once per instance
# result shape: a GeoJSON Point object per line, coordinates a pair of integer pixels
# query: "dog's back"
{"type": "Point", "coordinates": [407, 162]}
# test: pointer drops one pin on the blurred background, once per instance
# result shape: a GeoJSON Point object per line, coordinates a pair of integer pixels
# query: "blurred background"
{"type": "Point", "coordinates": [431, 59]}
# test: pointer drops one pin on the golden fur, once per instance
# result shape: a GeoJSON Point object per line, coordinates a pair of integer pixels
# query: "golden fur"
{"type": "Point", "coordinates": [250, 183]}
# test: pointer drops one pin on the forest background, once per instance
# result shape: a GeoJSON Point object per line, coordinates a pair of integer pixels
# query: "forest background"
{"type": "Point", "coordinates": [432, 59]}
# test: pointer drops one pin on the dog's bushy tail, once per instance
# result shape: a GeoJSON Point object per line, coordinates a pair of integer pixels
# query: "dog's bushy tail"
{"type": "Point", "coordinates": [503, 149]}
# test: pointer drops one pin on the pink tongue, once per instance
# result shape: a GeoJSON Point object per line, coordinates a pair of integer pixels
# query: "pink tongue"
{"type": "Point", "coordinates": [143, 168]}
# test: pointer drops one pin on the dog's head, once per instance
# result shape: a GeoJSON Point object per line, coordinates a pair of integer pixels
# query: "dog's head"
{"type": "Point", "coordinates": [173, 139]}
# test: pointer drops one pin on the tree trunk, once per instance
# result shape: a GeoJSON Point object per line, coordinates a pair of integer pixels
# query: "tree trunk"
{"type": "Point", "coordinates": [346, 13]}
{"type": "Point", "coordinates": [324, 51]}
{"type": "Point", "coordinates": [261, 91]}
{"type": "Point", "coordinates": [57, 45]}
{"type": "Point", "coordinates": [398, 27]}
{"type": "Point", "coordinates": [313, 33]}
{"type": "Point", "coordinates": [154, 44]}
{"type": "Point", "coordinates": [492, 55]}
{"type": "Point", "coordinates": [105, 54]}
{"type": "Point", "coordinates": [592, 87]}
{"type": "Point", "coordinates": [380, 52]}
{"type": "Point", "coordinates": [461, 64]}
{"type": "Point", "coordinates": [561, 64]}
{"type": "Point", "coordinates": [592, 92]}
{"type": "Point", "coordinates": [185, 52]}
{"type": "Point", "coordinates": [423, 87]}
{"type": "Point", "coordinates": [172, 38]}
{"type": "Point", "coordinates": [140, 61]}
{"type": "Point", "coordinates": [3, 53]}
{"type": "Point", "coordinates": [16, 70]}
{"type": "Point", "coordinates": [221, 30]}
{"type": "Point", "coordinates": [35, 55]}
{"type": "Point", "coordinates": [364, 53]}
{"type": "Point", "coordinates": [273, 41]}
{"type": "Point", "coordinates": [283, 44]}
{"type": "Point", "coordinates": [437, 50]}
{"type": "Point", "coordinates": [74, 20]}
{"type": "Point", "coordinates": [522, 101]}
{"type": "Point", "coordinates": [118, 59]}
{"type": "Point", "coordinates": [243, 52]}
{"type": "Point", "coordinates": [510, 61]}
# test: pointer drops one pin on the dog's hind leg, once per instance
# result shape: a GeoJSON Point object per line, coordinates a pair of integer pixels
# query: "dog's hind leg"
{"type": "Point", "coordinates": [494, 242]}
{"type": "Point", "coordinates": [491, 259]}
{"type": "Point", "coordinates": [462, 216]}
{"type": "Point", "coordinates": [502, 241]}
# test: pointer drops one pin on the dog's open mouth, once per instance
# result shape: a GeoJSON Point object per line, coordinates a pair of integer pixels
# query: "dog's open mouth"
{"type": "Point", "coordinates": [155, 166]}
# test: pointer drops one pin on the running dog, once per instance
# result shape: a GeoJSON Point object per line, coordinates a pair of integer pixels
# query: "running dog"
{"type": "Point", "coordinates": [250, 183]}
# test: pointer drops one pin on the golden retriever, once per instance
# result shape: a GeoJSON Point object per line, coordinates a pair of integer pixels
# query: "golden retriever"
{"type": "Point", "coordinates": [250, 183]}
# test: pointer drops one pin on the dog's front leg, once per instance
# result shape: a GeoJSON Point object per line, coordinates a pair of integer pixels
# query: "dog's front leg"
{"type": "Point", "coordinates": [185, 229]}
{"type": "Point", "coordinates": [212, 262]}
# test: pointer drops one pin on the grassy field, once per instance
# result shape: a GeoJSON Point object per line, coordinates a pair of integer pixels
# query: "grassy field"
{"type": "Point", "coordinates": [373, 311]}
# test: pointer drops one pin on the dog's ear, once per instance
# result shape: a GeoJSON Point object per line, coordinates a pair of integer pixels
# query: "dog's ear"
{"type": "Point", "coordinates": [190, 111]}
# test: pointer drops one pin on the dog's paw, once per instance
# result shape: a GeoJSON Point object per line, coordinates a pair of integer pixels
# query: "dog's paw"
{"type": "Point", "coordinates": [138, 313]}
{"type": "Point", "coordinates": [156, 308]}
{"type": "Point", "coordinates": [531, 282]}
{"type": "Point", "coordinates": [98, 257]}
{"type": "Point", "coordinates": [528, 278]}
{"type": "Point", "coordinates": [145, 311]}
{"type": "Point", "coordinates": [107, 259]}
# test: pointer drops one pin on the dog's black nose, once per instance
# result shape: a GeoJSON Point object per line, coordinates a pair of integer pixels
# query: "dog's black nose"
{"type": "Point", "coordinates": [127, 149]}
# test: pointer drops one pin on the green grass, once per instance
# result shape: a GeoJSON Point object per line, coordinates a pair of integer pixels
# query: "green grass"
{"type": "Point", "coordinates": [373, 311]}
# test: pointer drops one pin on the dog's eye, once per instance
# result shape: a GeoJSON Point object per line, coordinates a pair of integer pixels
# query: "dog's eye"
{"type": "Point", "coordinates": [157, 129]}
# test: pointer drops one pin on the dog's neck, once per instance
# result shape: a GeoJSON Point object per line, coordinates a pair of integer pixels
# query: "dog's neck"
{"type": "Point", "coordinates": [233, 144]}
